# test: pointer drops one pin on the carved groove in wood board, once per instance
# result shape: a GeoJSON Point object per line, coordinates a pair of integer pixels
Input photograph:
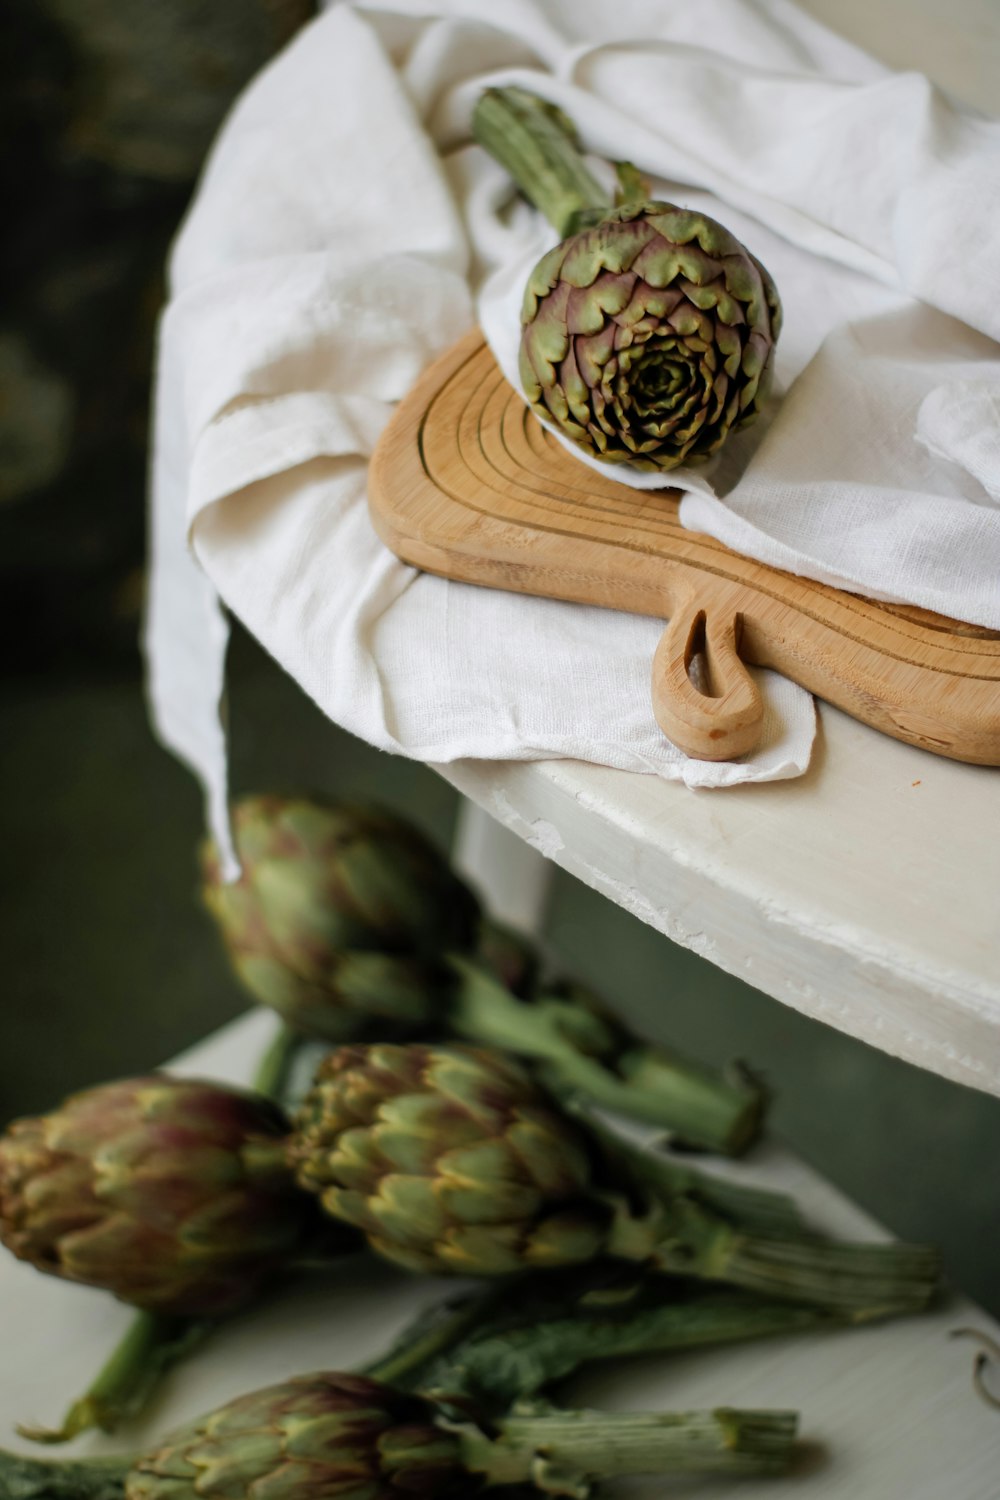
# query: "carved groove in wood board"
{"type": "Point", "coordinates": [466, 483]}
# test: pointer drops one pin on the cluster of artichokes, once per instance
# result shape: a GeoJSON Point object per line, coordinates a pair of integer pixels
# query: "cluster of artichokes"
{"type": "Point", "coordinates": [439, 1153]}
{"type": "Point", "coordinates": [450, 1160]}
{"type": "Point", "coordinates": [424, 1138]}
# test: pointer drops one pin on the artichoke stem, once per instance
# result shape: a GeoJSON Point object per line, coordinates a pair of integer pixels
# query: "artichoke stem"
{"type": "Point", "coordinates": [150, 1345]}
{"type": "Point", "coordinates": [500, 1365]}
{"type": "Point", "coordinates": [722, 1111]}
{"type": "Point", "coordinates": [844, 1278]}
{"type": "Point", "coordinates": [633, 187]}
{"type": "Point", "coordinates": [570, 1448]}
{"type": "Point", "coordinates": [525, 135]}
{"type": "Point", "coordinates": [756, 1210]}
{"type": "Point", "coordinates": [681, 1097]}
{"type": "Point", "coordinates": [841, 1277]}
{"type": "Point", "coordinates": [271, 1077]}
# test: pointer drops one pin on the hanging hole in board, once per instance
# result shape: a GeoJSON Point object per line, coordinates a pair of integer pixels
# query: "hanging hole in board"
{"type": "Point", "coordinates": [696, 658]}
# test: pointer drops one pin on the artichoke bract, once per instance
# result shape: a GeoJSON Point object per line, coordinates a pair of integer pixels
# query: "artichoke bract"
{"type": "Point", "coordinates": [453, 1160]}
{"type": "Point", "coordinates": [170, 1193]}
{"type": "Point", "coordinates": [339, 915]}
{"type": "Point", "coordinates": [312, 1438]}
{"type": "Point", "coordinates": [649, 330]}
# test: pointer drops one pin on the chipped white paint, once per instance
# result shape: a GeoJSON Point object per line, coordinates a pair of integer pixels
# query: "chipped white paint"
{"type": "Point", "coordinates": [865, 894]}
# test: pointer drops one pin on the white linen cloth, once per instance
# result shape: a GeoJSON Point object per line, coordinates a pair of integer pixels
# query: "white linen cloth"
{"type": "Point", "coordinates": [346, 232]}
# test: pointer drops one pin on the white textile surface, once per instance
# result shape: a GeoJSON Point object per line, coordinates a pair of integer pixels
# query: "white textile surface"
{"type": "Point", "coordinates": [347, 231]}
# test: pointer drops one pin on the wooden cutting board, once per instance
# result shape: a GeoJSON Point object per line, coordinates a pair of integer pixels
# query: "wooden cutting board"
{"type": "Point", "coordinates": [466, 483]}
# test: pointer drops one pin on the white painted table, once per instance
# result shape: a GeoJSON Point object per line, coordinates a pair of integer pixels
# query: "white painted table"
{"type": "Point", "coordinates": [865, 894]}
{"type": "Point", "coordinates": [888, 1412]}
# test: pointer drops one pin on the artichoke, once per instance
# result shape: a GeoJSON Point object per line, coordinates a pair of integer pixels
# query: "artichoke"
{"type": "Point", "coordinates": [347, 1437]}
{"type": "Point", "coordinates": [446, 1159]}
{"type": "Point", "coordinates": [170, 1193]}
{"type": "Point", "coordinates": [649, 331]}
{"type": "Point", "coordinates": [339, 914]}
{"type": "Point", "coordinates": [648, 339]}
{"type": "Point", "coordinates": [453, 1160]}
{"type": "Point", "coordinates": [312, 1438]}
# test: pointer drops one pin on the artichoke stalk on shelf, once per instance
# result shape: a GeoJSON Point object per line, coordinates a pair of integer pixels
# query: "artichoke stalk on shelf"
{"type": "Point", "coordinates": [648, 331]}
{"type": "Point", "coordinates": [334, 1435]}
{"type": "Point", "coordinates": [173, 1194]}
{"type": "Point", "coordinates": [577, 1048]}
{"type": "Point", "coordinates": [489, 1350]}
{"type": "Point", "coordinates": [349, 924]}
{"type": "Point", "coordinates": [453, 1160]}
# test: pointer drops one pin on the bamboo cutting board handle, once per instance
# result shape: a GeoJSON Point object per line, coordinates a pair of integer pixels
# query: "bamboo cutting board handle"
{"type": "Point", "coordinates": [720, 716]}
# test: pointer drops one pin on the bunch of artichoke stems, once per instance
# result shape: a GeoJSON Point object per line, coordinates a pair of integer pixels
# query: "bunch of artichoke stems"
{"type": "Point", "coordinates": [446, 1410]}
{"type": "Point", "coordinates": [350, 924]}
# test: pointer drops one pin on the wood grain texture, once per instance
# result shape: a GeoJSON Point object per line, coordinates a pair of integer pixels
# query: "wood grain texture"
{"type": "Point", "coordinates": [466, 483]}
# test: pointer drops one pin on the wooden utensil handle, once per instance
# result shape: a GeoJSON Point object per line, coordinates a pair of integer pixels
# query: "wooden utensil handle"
{"type": "Point", "coordinates": [721, 716]}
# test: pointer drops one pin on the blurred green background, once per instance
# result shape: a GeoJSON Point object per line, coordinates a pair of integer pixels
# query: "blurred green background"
{"type": "Point", "coordinates": [111, 967]}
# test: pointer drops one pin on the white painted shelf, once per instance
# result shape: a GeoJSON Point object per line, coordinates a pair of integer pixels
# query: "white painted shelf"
{"type": "Point", "coordinates": [887, 1411]}
{"type": "Point", "coordinates": [865, 894]}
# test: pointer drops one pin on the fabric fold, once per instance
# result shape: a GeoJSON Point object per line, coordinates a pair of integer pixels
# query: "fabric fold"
{"type": "Point", "coordinates": [347, 231]}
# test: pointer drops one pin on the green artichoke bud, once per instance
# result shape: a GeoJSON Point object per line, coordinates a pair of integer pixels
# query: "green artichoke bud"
{"type": "Point", "coordinates": [173, 1194]}
{"type": "Point", "coordinates": [649, 338]}
{"type": "Point", "coordinates": [339, 914]}
{"type": "Point", "coordinates": [649, 332]}
{"type": "Point", "coordinates": [346, 1437]}
{"type": "Point", "coordinates": [453, 1160]}
{"type": "Point", "coordinates": [314, 1438]}
{"type": "Point", "coordinates": [447, 1160]}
